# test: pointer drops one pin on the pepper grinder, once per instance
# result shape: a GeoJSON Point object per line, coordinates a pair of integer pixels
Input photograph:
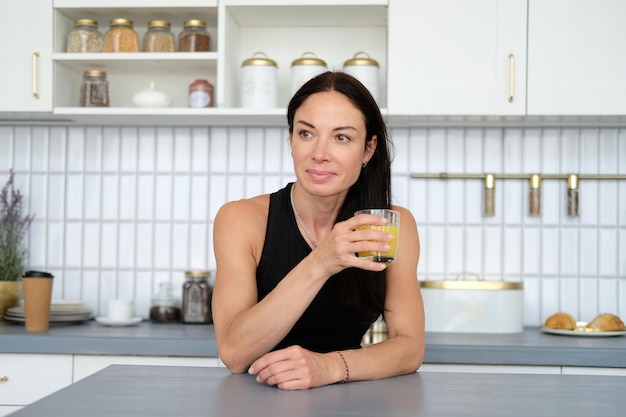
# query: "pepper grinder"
{"type": "Point", "coordinates": [534, 197]}
{"type": "Point", "coordinates": [489, 208]}
{"type": "Point", "coordinates": [572, 195]}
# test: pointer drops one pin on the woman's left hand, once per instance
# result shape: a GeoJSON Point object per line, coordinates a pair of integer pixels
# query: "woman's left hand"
{"type": "Point", "coordinates": [294, 368]}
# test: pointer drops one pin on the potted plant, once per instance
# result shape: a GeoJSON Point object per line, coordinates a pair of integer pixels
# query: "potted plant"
{"type": "Point", "coordinates": [13, 227]}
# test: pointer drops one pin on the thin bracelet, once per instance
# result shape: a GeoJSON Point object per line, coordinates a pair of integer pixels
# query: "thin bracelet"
{"type": "Point", "coordinates": [347, 368]}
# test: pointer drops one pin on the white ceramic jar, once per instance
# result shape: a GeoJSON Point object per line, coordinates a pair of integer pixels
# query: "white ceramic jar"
{"type": "Point", "coordinates": [305, 68]}
{"type": "Point", "coordinates": [259, 82]}
{"type": "Point", "coordinates": [366, 70]}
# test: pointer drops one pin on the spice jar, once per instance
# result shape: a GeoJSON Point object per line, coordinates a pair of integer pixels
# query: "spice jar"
{"type": "Point", "coordinates": [164, 307]}
{"type": "Point", "coordinates": [84, 37]}
{"type": "Point", "coordinates": [365, 69]}
{"type": "Point", "coordinates": [94, 90]}
{"type": "Point", "coordinates": [194, 37]}
{"type": "Point", "coordinates": [159, 37]}
{"type": "Point", "coordinates": [259, 82]}
{"type": "Point", "coordinates": [197, 297]}
{"type": "Point", "coordinates": [200, 94]}
{"type": "Point", "coordinates": [305, 68]}
{"type": "Point", "coordinates": [121, 37]}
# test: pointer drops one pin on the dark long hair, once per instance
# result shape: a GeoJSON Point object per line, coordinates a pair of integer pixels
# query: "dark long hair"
{"type": "Point", "coordinates": [362, 293]}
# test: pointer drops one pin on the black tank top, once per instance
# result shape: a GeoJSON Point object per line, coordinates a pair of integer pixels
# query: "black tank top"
{"type": "Point", "coordinates": [324, 326]}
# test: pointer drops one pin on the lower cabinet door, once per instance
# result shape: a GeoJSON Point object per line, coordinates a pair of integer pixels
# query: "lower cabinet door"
{"type": "Point", "coordinates": [85, 365]}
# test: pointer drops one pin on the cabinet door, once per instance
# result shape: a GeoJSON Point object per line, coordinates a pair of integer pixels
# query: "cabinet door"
{"type": "Point", "coordinates": [577, 57]}
{"type": "Point", "coordinates": [32, 377]}
{"type": "Point", "coordinates": [26, 73]}
{"type": "Point", "coordinates": [457, 57]}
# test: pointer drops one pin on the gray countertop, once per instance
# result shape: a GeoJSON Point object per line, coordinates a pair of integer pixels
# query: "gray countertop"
{"type": "Point", "coordinates": [154, 391]}
{"type": "Point", "coordinates": [531, 347]}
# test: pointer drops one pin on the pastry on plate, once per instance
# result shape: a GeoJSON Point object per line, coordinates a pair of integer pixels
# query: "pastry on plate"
{"type": "Point", "coordinates": [561, 320]}
{"type": "Point", "coordinates": [606, 322]}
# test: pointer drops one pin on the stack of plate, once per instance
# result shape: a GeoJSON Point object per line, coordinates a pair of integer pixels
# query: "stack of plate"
{"type": "Point", "coordinates": [61, 312]}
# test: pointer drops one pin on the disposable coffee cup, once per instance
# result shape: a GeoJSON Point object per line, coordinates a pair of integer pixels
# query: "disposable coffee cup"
{"type": "Point", "coordinates": [392, 227]}
{"type": "Point", "coordinates": [37, 288]}
{"type": "Point", "coordinates": [120, 310]}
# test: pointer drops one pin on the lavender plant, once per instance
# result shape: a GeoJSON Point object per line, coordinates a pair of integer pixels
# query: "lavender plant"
{"type": "Point", "coordinates": [13, 227]}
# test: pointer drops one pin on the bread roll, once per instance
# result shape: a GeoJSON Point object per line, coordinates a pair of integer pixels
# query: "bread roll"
{"type": "Point", "coordinates": [561, 320]}
{"type": "Point", "coordinates": [606, 322]}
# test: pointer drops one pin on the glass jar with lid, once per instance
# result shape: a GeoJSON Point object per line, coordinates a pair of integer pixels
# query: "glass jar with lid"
{"type": "Point", "coordinates": [164, 307]}
{"type": "Point", "coordinates": [121, 37]}
{"type": "Point", "coordinates": [201, 94]}
{"type": "Point", "coordinates": [84, 37]}
{"type": "Point", "coordinates": [197, 293]}
{"type": "Point", "coordinates": [159, 37]}
{"type": "Point", "coordinates": [194, 37]}
{"type": "Point", "coordinates": [94, 90]}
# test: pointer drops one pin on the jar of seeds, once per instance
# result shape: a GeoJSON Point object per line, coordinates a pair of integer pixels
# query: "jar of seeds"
{"type": "Point", "coordinates": [121, 37]}
{"type": "Point", "coordinates": [159, 37]}
{"type": "Point", "coordinates": [194, 37]}
{"type": "Point", "coordinates": [84, 37]}
{"type": "Point", "coordinates": [94, 90]}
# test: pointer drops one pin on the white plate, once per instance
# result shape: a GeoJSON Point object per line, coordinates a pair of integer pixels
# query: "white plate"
{"type": "Point", "coordinates": [108, 322]}
{"type": "Point", "coordinates": [581, 331]}
{"type": "Point", "coordinates": [66, 305]}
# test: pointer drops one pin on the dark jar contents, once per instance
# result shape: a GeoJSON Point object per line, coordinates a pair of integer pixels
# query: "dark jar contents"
{"type": "Point", "coordinates": [194, 37]}
{"type": "Point", "coordinates": [197, 297]}
{"type": "Point", "coordinates": [164, 307]}
{"type": "Point", "coordinates": [94, 90]}
{"type": "Point", "coordinates": [201, 94]}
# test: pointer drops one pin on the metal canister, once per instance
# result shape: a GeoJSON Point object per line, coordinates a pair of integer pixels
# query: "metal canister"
{"type": "Point", "coordinates": [366, 70]}
{"type": "Point", "coordinates": [197, 293]}
{"type": "Point", "coordinates": [259, 82]}
{"type": "Point", "coordinates": [305, 68]}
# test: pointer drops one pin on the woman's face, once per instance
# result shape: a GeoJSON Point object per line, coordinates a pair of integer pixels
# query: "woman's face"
{"type": "Point", "coordinates": [328, 143]}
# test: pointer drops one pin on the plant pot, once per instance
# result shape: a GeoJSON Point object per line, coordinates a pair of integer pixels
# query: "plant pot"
{"type": "Point", "coordinates": [9, 295]}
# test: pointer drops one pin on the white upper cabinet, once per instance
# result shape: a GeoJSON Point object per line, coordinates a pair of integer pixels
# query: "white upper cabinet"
{"type": "Point", "coordinates": [26, 74]}
{"type": "Point", "coordinates": [577, 57]}
{"type": "Point", "coordinates": [457, 57]}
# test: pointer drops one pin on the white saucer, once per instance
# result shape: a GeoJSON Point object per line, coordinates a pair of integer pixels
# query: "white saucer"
{"type": "Point", "coordinates": [108, 322]}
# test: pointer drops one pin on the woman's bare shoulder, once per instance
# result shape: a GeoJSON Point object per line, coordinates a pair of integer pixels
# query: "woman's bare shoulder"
{"type": "Point", "coordinates": [254, 207]}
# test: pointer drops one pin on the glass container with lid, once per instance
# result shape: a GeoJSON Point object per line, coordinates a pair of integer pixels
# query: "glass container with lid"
{"type": "Point", "coordinates": [194, 37]}
{"type": "Point", "coordinates": [94, 90]}
{"type": "Point", "coordinates": [305, 68]}
{"type": "Point", "coordinates": [121, 37]}
{"type": "Point", "coordinates": [197, 294]}
{"type": "Point", "coordinates": [159, 37]}
{"type": "Point", "coordinates": [201, 94]}
{"type": "Point", "coordinates": [164, 307]}
{"type": "Point", "coordinates": [84, 37]}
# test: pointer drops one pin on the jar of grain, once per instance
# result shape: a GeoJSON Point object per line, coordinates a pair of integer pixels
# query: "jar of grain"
{"type": "Point", "coordinates": [194, 37]}
{"type": "Point", "coordinates": [94, 90]}
{"type": "Point", "coordinates": [84, 37]}
{"type": "Point", "coordinates": [200, 94]}
{"type": "Point", "coordinates": [121, 37]}
{"type": "Point", "coordinates": [159, 37]}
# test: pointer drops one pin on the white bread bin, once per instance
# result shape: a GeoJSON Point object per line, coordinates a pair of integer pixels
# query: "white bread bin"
{"type": "Point", "coordinates": [478, 306]}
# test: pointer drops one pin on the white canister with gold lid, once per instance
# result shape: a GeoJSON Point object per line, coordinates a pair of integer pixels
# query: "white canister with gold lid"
{"type": "Point", "coordinates": [305, 68]}
{"type": "Point", "coordinates": [366, 70]}
{"type": "Point", "coordinates": [259, 82]}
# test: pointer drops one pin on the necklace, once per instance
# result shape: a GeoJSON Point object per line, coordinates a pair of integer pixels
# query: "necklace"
{"type": "Point", "coordinates": [300, 222]}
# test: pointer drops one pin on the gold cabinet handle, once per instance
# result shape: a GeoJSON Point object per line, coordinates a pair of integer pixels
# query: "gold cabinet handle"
{"type": "Point", "coordinates": [511, 77]}
{"type": "Point", "coordinates": [35, 58]}
{"type": "Point", "coordinates": [4, 378]}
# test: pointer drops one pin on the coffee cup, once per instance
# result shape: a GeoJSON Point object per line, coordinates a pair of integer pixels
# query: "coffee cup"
{"type": "Point", "coordinates": [120, 310]}
{"type": "Point", "coordinates": [37, 287]}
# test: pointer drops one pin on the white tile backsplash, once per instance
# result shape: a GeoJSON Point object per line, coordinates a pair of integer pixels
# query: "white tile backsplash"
{"type": "Point", "coordinates": [120, 209]}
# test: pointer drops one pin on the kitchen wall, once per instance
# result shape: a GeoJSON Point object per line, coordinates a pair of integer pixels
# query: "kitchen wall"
{"type": "Point", "coordinates": [120, 209]}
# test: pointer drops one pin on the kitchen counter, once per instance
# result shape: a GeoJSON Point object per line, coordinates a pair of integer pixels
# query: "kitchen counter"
{"type": "Point", "coordinates": [153, 391]}
{"type": "Point", "coordinates": [531, 347]}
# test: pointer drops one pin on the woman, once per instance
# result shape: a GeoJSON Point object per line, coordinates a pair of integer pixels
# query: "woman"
{"type": "Point", "coordinates": [291, 301]}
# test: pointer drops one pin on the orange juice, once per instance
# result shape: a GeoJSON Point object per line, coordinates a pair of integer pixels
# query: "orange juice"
{"type": "Point", "coordinates": [389, 256]}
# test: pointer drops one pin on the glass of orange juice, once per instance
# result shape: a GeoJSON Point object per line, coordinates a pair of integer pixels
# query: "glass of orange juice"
{"type": "Point", "coordinates": [392, 227]}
